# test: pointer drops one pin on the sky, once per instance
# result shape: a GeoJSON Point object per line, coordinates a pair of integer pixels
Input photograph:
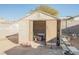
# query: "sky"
{"type": "Point", "coordinates": [14, 12]}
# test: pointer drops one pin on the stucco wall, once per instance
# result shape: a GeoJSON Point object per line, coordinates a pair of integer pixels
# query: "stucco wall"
{"type": "Point", "coordinates": [69, 23]}
{"type": "Point", "coordinates": [13, 29]}
{"type": "Point", "coordinates": [2, 31]}
{"type": "Point", "coordinates": [8, 29]}
{"type": "Point", "coordinates": [72, 26]}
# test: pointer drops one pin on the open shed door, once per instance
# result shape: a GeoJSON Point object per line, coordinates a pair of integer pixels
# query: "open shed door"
{"type": "Point", "coordinates": [51, 30]}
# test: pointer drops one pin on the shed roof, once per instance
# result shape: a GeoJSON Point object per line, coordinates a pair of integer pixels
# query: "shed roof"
{"type": "Point", "coordinates": [39, 15]}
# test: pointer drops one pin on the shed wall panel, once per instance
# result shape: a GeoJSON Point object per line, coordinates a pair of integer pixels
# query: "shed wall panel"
{"type": "Point", "coordinates": [24, 32]}
{"type": "Point", "coordinates": [51, 30]}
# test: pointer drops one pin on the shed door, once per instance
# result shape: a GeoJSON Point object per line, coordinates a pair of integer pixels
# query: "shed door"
{"type": "Point", "coordinates": [51, 30]}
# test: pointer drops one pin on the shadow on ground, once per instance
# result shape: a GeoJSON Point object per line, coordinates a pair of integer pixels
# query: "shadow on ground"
{"type": "Point", "coordinates": [13, 38]}
{"type": "Point", "coordinates": [19, 50]}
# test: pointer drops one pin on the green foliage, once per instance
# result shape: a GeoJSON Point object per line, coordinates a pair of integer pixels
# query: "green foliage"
{"type": "Point", "coordinates": [48, 9]}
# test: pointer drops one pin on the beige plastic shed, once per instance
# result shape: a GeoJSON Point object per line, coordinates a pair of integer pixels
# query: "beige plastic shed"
{"type": "Point", "coordinates": [38, 22]}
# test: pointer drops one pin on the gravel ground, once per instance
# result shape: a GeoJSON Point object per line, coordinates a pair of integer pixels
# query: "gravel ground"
{"type": "Point", "coordinates": [75, 43]}
{"type": "Point", "coordinates": [7, 47]}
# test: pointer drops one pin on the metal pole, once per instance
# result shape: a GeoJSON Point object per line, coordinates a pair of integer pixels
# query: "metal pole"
{"type": "Point", "coordinates": [58, 32]}
{"type": "Point", "coordinates": [66, 27]}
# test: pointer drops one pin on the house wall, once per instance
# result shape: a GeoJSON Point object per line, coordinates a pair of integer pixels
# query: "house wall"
{"type": "Point", "coordinates": [69, 23]}
{"type": "Point", "coordinates": [12, 29]}
{"type": "Point", "coordinates": [72, 26]}
{"type": "Point", "coordinates": [3, 30]}
{"type": "Point", "coordinates": [8, 29]}
{"type": "Point", "coordinates": [51, 30]}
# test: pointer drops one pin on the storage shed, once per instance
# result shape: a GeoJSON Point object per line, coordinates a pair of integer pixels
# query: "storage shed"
{"type": "Point", "coordinates": [39, 26]}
